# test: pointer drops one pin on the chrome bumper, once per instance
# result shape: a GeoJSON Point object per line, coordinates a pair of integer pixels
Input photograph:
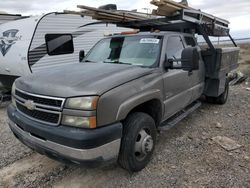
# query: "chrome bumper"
{"type": "Point", "coordinates": [105, 152]}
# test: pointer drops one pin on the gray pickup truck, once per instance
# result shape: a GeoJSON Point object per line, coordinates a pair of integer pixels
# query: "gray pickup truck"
{"type": "Point", "coordinates": [111, 105]}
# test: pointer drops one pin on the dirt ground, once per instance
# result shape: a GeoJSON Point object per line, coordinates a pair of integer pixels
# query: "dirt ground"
{"type": "Point", "coordinates": [185, 156]}
{"type": "Point", "coordinates": [245, 59]}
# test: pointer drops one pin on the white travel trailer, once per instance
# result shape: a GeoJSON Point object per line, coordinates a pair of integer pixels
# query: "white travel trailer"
{"type": "Point", "coordinates": [9, 17]}
{"type": "Point", "coordinates": [33, 44]}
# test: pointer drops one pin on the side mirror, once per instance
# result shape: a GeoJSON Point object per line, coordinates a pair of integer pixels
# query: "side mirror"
{"type": "Point", "coordinates": [190, 59]}
{"type": "Point", "coordinates": [168, 63]}
{"type": "Point", "coordinates": [81, 55]}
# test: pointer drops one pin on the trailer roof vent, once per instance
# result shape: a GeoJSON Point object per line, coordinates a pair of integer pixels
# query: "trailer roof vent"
{"type": "Point", "coordinates": [108, 7]}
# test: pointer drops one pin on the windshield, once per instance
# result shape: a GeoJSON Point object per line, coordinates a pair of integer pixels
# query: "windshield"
{"type": "Point", "coordinates": [132, 50]}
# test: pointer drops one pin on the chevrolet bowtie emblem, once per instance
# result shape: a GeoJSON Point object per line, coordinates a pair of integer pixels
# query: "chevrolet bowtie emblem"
{"type": "Point", "coordinates": [30, 105]}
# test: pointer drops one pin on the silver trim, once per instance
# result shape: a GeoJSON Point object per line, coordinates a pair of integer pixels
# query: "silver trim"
{"type": "Point", "coordinates": [41, 107]}
{"type": "Point", "coordinates": [106, 152]}
{"type": "Point", "coordinates": [37, 104]}
{"type": "Point", "coordinates": [43, 96]}
{"type": "Point", "coordinates": [40, 121]}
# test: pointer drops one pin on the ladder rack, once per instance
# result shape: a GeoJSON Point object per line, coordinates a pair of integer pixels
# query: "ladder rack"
{"type": "Point", "coordinates": [186, 20]}
{"type": "Point", "coordinates": [177, 17]}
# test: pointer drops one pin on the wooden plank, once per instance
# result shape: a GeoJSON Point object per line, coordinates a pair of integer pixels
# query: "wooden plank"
{"type": "Point", "coordinates": [181, 6]}
{"type": "Point", "coordinates": [101, 15]}
{"type": "Point", "coordinates": [165, 12]}
{"type": "Point", "coordinates": [115, 13]}
{"type": "Point", "coordinates": [110, 16]}
{"type": "Point", "coordinates": [170, 7]}
{"type": "Point", "coordinates": [166, 6]}
{"type": "Point", "coordinates": [164, 9]}
{"type": "Point", "coordinates": [160, 12]}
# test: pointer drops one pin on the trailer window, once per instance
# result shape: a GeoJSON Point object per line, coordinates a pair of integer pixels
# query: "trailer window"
{"type": "Point", "coordinates": [58, 44]}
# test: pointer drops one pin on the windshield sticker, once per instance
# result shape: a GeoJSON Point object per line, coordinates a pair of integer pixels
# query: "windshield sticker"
{"type": "Point", "coordinates": [149, 41]}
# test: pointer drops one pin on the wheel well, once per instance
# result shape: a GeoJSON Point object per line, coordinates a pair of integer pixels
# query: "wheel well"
{"type": "Point", "coordinates": [152, 108]}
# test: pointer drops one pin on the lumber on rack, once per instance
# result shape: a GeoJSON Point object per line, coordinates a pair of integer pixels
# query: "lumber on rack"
{"type": "Point", "coordinates": [109, 15]}
{"type": "Point", "coordinates": [176, 4]}
{"type": "Point", "coordinates": [167, 7]}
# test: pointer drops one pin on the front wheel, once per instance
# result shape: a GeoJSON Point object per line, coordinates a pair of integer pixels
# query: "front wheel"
{"type": "Point", "coordinates": [138, 142]}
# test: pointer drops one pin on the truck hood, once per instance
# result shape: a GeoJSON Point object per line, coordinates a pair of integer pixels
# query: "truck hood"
{"type": "Point", "coordinates": [80, 79]}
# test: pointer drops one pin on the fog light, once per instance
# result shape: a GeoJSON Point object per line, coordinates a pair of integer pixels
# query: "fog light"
{"type": "Point", "coordinates": [81, 122]}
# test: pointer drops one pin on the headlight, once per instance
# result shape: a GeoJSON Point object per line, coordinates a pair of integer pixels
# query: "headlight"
{"type": "Point", "coordinates": [13, 92]}
{"type": "Point", "coordinates": [82, 103]}
{"type": "Point", "coordinates": [81, 122]}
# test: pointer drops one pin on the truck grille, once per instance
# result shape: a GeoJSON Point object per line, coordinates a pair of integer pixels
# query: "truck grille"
{"type": "Point", "coordinates": [39, 108]}
{"type": "Point", "coordinates": [39, 100]}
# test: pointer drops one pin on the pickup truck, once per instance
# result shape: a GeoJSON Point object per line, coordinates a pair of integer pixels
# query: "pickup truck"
{"type": "Point", "coordinates": [111, 104]}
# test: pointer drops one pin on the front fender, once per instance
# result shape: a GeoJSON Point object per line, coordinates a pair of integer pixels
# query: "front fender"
{"type": "Point", "coordinates": [135, 101]}
{"type": "Point", "coordinates": [115, 104]}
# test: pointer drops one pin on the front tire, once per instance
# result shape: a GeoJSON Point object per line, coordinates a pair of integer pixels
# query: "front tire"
{"type": "Point", "coordinates": [138, 142]}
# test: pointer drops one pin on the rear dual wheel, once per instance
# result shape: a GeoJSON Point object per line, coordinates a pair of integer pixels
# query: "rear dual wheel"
{"type": "Point", "coordinates": [138, 142]}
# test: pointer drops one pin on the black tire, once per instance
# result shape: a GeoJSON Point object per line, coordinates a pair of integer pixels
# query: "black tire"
{"type": "Point", "coordinates": [134, 126]}
{"type": "Point", "coordinates": [210, 100]}
{"type": "Point", "coordinates": [222, 99]}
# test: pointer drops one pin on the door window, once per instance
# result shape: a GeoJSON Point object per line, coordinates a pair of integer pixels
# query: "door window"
{"type": "Point", "coordinates": [174, 47]}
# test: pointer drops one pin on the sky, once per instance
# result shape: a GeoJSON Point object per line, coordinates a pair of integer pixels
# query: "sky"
{"type": "Point", "coordinates": [236, 11]}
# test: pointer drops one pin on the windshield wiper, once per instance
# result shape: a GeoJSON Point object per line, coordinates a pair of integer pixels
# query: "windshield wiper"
{"type": "Point", "coordinates": [117, 62]}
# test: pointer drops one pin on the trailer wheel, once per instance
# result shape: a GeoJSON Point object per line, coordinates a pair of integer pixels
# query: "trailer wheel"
{"type": "Point", "coordinates": [222, 99]}
{"type": "Point", "coordinates": [138, 142]}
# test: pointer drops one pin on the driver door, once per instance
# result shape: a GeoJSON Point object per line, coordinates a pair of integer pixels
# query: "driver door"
{"type": "Point", "coordinates": [177, 81]}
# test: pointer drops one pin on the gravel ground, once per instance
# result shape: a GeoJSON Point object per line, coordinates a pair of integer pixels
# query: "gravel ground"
{"type": "Point", "coordinates": [185, 156]}
{"type": "Point", "coordinates": [11, 149]}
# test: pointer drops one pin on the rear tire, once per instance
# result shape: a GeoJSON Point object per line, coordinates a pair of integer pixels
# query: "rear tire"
{"type": "Point", "coordinates": [138, 142]}
{"type": "Point", "coordinates": [222, 99]}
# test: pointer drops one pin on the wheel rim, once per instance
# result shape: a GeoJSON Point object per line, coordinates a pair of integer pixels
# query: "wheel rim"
{"type": "Point", "coordinates": [144, 145]}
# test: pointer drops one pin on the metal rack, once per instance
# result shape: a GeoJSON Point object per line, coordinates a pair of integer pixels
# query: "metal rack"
{"type": "Point", "coordinates": [186, 21]}
{"type": "Point", "coordinates": [183, 20]}
{"type": "Point", "coordinates": [180, 18]}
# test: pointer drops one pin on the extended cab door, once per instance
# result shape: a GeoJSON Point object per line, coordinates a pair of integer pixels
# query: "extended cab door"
{"type": "Point", "coordinates": [176, 82]}
{"type": "Point", "coordinates": [196, 77]}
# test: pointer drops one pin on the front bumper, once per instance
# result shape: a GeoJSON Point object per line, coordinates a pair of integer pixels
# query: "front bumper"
{"type": "Point", "coordinates": [64, 143]}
